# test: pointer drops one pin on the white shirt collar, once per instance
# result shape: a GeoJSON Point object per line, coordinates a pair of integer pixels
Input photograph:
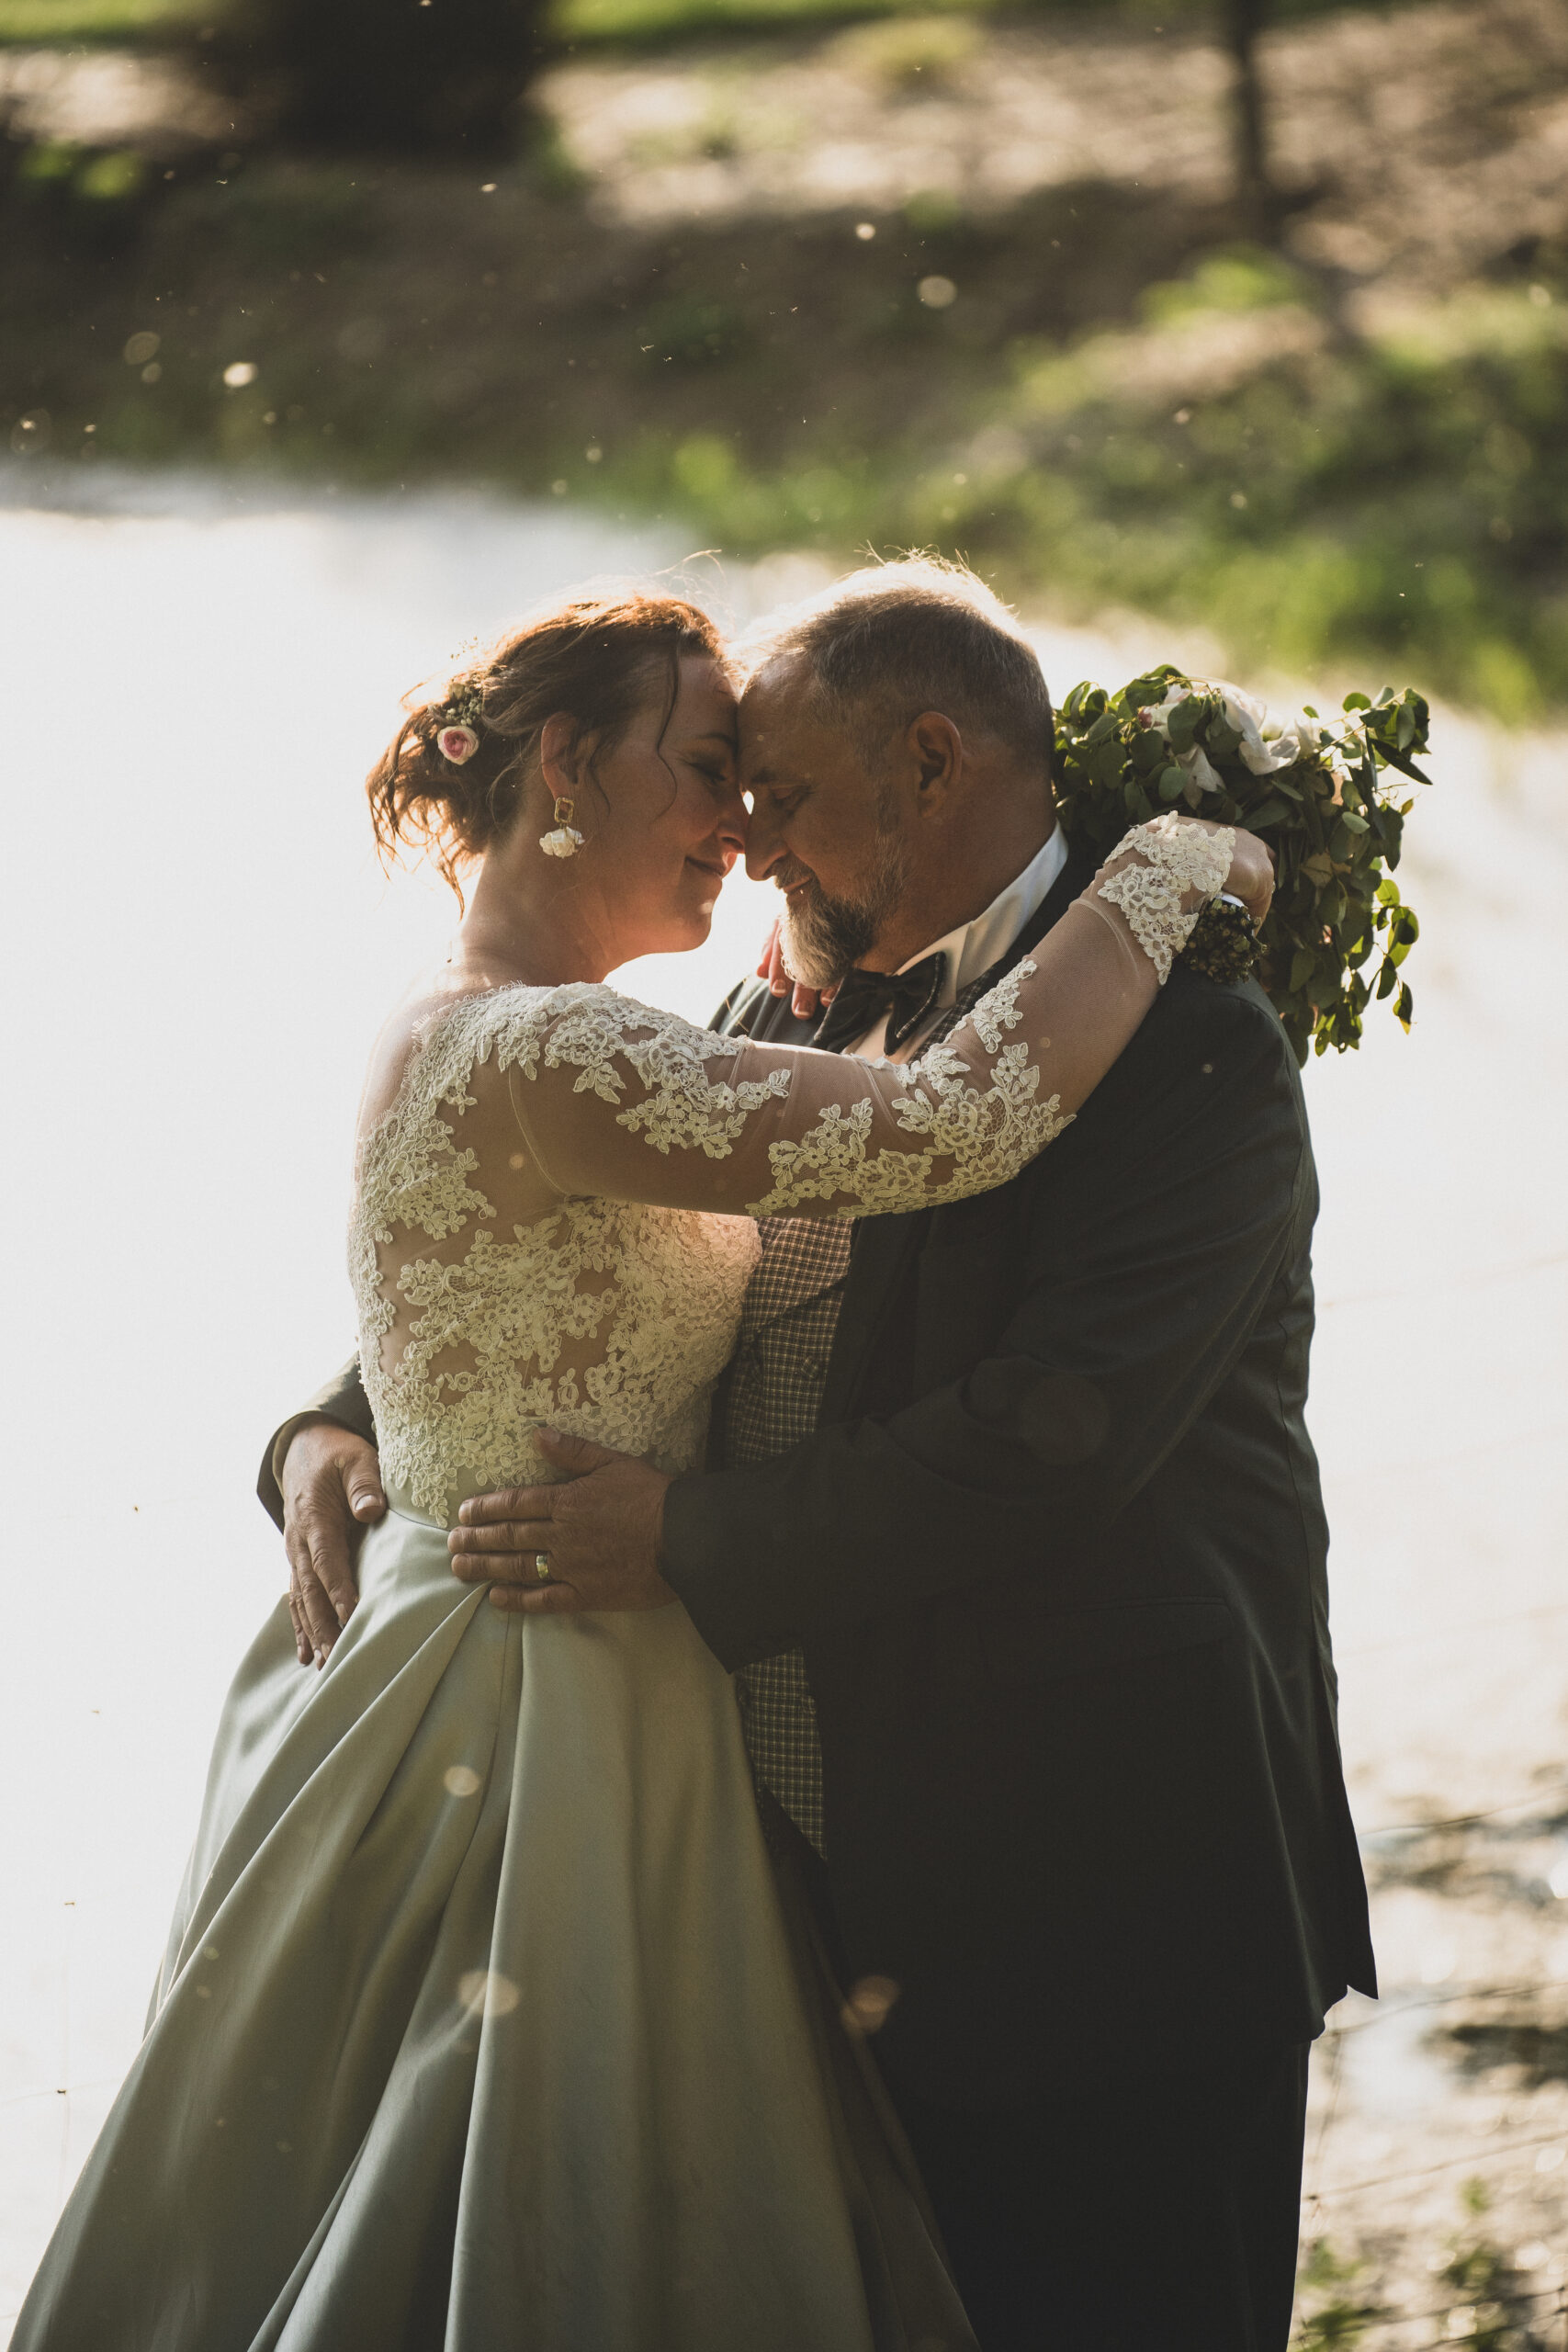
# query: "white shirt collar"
{"type": "Point", "coordinates": [972, 948]}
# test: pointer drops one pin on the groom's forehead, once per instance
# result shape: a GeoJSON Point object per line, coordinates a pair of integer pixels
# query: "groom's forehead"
{"type": "Point", "coordinates": [780, 738]}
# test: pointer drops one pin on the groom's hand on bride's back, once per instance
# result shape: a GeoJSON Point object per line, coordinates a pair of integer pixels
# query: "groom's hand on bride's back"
{"type": "Point", "coordinates": [330, 1482]}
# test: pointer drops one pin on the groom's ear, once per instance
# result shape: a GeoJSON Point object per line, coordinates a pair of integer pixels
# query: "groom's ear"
{"type": "Point", "coordinates": [936, 748]}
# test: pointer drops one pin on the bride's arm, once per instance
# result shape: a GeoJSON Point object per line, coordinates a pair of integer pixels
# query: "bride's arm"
{"type": "Point", "coordinates": [621, 1101]}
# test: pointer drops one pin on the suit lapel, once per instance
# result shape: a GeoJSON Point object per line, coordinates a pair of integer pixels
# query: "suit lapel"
{"type": "Point", "coordinates": [885, 1248]}
{"type": "Point", "coordinates": [753, 1010]}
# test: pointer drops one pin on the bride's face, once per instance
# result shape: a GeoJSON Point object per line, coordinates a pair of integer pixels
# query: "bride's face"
{"type": "Point", "coordinates": [668, 821]}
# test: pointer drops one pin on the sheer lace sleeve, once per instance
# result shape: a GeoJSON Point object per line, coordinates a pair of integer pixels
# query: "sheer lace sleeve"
{"type": "Point", "coordinates": [617, 1100]}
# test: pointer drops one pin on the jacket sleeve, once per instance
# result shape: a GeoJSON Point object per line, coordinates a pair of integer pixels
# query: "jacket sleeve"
{"type": "Point", "coordinates": [343, 1400]}
{"type": "Point", "coordinates": [1142, 1279]}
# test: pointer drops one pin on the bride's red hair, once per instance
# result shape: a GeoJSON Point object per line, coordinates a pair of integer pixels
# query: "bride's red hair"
{"type": "Point", "coordinates": [599, 659]}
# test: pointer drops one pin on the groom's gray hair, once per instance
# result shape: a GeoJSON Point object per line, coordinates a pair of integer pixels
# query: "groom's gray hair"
{"type": "Point", "coordinates": [887, 642]}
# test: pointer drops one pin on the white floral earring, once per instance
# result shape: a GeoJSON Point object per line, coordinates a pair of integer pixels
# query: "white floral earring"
{"type": "Point", "coordinates": [566, 840]}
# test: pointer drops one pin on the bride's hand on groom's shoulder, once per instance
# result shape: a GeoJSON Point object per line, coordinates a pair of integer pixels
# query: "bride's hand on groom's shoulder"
{"type": "Point", "coordinates": [588, 1543]}
{"type": "Point", "coordinates": [331, 1483]}
{"type": "Point", "coordinates": [1251, 877]}
{"type": "Point", "coordinates": [805, 1002]}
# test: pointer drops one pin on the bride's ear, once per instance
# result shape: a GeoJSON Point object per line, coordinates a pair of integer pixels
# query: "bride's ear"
{"type": "Point", "coordinates": [564, 752]}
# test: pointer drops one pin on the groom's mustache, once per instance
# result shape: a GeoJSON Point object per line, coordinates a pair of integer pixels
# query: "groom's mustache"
{"type": "Point", "coordinates": [821, 935]}
{"type": "Point", "coordinates": [790, 875]}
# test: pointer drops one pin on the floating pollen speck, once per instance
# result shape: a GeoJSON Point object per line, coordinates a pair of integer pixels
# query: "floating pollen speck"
{"type": "Point", "coordinates": [867, 2007]}
{"type": "Point", "coordinates": [460, 1781]}
{"type": "Point", "coordinates": [484, 1992]}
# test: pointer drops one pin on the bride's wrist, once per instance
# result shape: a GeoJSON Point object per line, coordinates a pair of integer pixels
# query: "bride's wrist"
{"type": "Point", "coordinates": [1160, 877]}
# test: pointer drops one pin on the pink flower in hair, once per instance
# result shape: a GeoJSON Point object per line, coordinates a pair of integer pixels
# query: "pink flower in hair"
{"type": "Point", "coordinates": [457, 744]}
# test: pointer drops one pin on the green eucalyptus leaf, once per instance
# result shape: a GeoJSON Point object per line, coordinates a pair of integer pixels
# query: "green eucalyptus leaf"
{"type": "Point", "coordinates": [1398, 758]}
{"type": "Point", "coordinates": [1335, 845]}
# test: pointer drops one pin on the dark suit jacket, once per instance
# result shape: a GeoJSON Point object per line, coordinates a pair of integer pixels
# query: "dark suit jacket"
{"type": "Point", "coordinates": [1056, 1557]}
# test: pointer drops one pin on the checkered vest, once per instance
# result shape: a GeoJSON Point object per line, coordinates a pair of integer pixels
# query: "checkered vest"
{"type": "Point", "coordinates": [768, 1401]}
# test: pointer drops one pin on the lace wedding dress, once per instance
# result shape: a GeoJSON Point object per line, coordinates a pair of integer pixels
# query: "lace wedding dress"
{"type": "Point", "coordinates": [482, 2024]}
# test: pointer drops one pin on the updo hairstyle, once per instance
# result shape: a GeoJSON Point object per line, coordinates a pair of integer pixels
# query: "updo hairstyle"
{"type": "Point", "coordinates": [599, 659]}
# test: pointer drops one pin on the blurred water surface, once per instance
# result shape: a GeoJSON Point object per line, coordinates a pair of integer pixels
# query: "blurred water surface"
{"type": "Point", "coordinates": [198, 945]}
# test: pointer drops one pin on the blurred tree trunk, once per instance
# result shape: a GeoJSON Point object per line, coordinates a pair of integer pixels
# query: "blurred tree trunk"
{"type": "Point", "coordinates": [407, 77]}
{"type": "Point", "coordinates": [1244, 21]}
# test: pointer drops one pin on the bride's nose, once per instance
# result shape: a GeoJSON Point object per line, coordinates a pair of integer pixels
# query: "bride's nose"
{"type": "Point", "coordinates": [730, 832]}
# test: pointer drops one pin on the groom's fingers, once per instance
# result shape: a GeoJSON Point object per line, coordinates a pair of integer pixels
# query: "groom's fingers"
{"type": "Point", "coordinates": [311, 1609]}
{"type": "Point", "coordinates": [508, 1562]}
{"type": "Point", "coordinates": [478, 1551]}
{"type": "Point", "coordinates": [506, 1506]}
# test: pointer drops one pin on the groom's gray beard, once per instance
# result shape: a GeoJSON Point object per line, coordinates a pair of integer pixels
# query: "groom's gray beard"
{"type": "Point", "coordinates": [823, 937]}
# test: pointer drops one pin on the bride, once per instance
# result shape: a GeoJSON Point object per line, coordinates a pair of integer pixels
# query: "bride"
{"type": "Point", "coordinates": [484, 2021]}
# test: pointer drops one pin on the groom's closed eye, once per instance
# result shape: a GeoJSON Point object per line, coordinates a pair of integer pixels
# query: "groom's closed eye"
{"type": "Point", "coordinates": [780, 799]}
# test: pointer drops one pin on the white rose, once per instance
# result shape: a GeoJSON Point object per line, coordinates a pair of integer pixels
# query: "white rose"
{"type": "Point", "coordinates": [1195, 761]}
{"type": "Point", "coordinates": [1263, 748]}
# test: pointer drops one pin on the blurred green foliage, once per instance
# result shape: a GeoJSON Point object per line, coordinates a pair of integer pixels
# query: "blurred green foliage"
{"type": "Point", "coordinates": [1336, 2319]}
{"type": "Point", "coordinates": [1318, 491]}
{"type": "Point", "coordinates": [581, 22]}
{"type": "Point", "coordinates": [1308, 492]}
{"type": "Point", "coordinates": [1088, 395]}
{"type": "Point", "coordinates": [99, 20]}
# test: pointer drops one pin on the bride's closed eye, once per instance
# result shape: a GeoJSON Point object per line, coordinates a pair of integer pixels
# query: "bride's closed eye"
{"type": "Point", "coordinates": [716, 773]}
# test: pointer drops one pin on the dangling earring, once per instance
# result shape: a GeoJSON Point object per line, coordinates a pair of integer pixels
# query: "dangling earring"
{"type": "Point", "coordinates": [566, 840]}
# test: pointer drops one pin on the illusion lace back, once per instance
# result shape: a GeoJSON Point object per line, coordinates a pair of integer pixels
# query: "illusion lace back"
{"type": "Point", "coordinates": [485, 1310]}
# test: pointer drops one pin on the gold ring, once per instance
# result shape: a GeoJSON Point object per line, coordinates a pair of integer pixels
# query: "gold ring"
{"type": "Point", "coordinates": [541, 1565]}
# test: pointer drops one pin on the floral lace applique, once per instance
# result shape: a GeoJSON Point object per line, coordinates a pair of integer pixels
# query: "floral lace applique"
{"type": "Point", "coordinates": [589, 1029]}
{"type": "Point", "coordinates": [981, 1131]}
{"type": "Point", "coordinates": [1173, 856]}
{"type": "Point", "coordinates": [607, 1319]}
{"type": "Point", "coordinates": [611, 1308]}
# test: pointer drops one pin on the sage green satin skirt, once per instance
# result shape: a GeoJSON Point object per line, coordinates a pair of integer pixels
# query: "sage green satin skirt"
{"type": "Point", "coordinates": [484, 2024]}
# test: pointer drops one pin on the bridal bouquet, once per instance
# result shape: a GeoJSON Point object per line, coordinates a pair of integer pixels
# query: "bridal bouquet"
{"type": "Point", "coordinates": [1313, 788]}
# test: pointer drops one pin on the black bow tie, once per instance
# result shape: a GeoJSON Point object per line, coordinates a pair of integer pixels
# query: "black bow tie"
{"type": "Point", "coordinates": [906, 998]}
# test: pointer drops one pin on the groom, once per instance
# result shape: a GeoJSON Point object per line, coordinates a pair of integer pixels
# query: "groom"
{"type": "Point", "coordinates": [1013, 1535]}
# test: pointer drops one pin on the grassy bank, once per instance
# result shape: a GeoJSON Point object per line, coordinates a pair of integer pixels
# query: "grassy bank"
{"type": "Point", "coordinates": [1086, 386]}
{"type": "Point", "coordinates": [1216, 444]}
{"type": "Point", "coordinates": [582, 23]}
